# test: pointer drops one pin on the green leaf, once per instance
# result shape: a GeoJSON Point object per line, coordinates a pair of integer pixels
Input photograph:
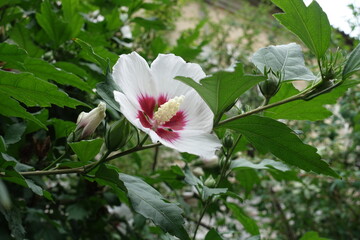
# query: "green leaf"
{"type": "Point", "coordinates": [92, 55]}
{"type": "Point", "coordinates": [264, 164]}
{"type": "Point", "coordinates": [12, 54]}
{"type": "Point", "coordinates": [4, 196]}
{"type": "Point", "coordinates": [269, 135]}
{"type": "Point", "coordinates": [209, 192]}
{"type": "Point", "coordinates": [149, 23]}
{"type": "Point", "coordinates": [57, 30]}
{"type": "Point", "coordinates": [77, 212]}
{"type": "Point", "coordinates": [3, 146]}
{"type": "Point", "coordinates": [213, 235]}
{"type": "Point", "coordinates": [286, 59]}
{"type": "Point", "coordinates": [150, 203]}
{"type": "Point", "coordinates": [248, 223]}
{"type": "Point", "coordinates": [86, 150]}
{"type": "Point", "coordinates": [312, 236]}
{"type": "Point", "coordinates": [310, 23]}
{"type": "Point", "coordinates": [352, 64]}
{"type": "Point", "coordinates": [312, 110]}
{"type": "Point", "coordinates": [14, 132]}
{"type": "Point", "coordinates": [21, 35]}
{"type": "Point", "coordinates": [14, 218]}
{"type": "Point", "coordinates": [221, 89]}
{"type": "Point", "coordinates": [62, 128]}
{"type": "Point", "coordinates": [206, 192]}
{"type": "Point", "coordinates": [33, 91]}
{"type": "Point", "coordinates": [247, 178]}
{"type": "Point", "coordinates": [47, 71]}
{"type": "Point", "coordinates": [106, 91]}
{"type": "Point", "coordinates": [72, 16]}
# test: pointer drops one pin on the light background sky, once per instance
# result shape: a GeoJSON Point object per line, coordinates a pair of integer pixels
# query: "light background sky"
{"type": "Point", "coordinates": [338, 13]}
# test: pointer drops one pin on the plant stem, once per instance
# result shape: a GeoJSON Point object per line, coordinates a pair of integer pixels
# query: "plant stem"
{"type": "Point", "coordinates": [156, 154]}
{"type": "Point", "coordinates": [57, 160]}
{"type": "Point", "coordinates": [224, 168]}
{"type": "Point", "coordinates": [85, 168]}
{"type": "Point", "coordinates": [201, 217]}
{"type": "Point", "coordinates": [102, 160]}
{"type": "Point", "coordinates": [262, 108]}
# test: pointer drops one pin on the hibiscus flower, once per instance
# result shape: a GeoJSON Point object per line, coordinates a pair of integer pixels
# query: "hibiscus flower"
{"type": "Point", "coordinates": [169, 111]}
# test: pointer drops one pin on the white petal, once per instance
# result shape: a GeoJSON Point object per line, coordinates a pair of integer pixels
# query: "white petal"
{"type": "Point", "coordinates": [195, 142]}
{"type": "Point", "coordinates": [132, 73]}
{"type": "Point", "coordinates": [129, 110]}
{"type": "Point", "coordinates": [168, 66]}
{"type": "Point", "coordinates": [198, 114]}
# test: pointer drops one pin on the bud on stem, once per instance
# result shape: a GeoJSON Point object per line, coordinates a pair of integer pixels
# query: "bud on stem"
{"type": "Point", "coordinates": [117, 135]}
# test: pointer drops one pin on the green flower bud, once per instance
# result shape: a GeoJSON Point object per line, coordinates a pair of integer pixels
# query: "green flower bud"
{"type": "Point", "coordinates": [228, 141]}
{"type": "Point", "coordinates": [117, 135]}
{"type": "Point", "coordinates": [270, 86]}
{"type": "Point", "coordinates": [210, 182]}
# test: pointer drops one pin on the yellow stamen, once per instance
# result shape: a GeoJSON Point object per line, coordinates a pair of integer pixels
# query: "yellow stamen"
{"type": "Point", "coordinates": [167, 110]}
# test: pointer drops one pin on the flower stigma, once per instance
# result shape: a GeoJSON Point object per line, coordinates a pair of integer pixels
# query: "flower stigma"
{"type": "Point", "coordinates": [167, 110]}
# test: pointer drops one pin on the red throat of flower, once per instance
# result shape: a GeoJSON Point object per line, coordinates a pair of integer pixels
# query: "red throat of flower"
{"type": "Point", "coordinates": [162, 115]}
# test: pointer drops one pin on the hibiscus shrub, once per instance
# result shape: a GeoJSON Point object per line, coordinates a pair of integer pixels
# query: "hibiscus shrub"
{"type": "Point", "coordinates": [168, 146]}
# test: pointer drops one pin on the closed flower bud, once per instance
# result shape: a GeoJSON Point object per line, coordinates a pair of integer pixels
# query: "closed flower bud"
{"type": "Point", "coordinates": [210, 162]}
{"type": "Point", "coordinates": [270, 86]}
{"type": "Point", "coordinates": [228, 141]}
{"type": "Point", "coordinates": [198, 171]}
{"type": "Point", "coordinates": [117, 135]}
{"type": "Point", "coordinates": [88, 122]}
{"type": "Point", "coordinates": [210, 182]}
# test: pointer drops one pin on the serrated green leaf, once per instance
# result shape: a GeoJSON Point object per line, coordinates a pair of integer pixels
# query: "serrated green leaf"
{"type": "Point", "coordinates": [269, 135]}
{"type": "Point", "coordinates": [72, 16]}
{"type": "Point", "coordinates": [33, 91]}
{"type": "Point", "coordinates": [47, 71]}
{"type": "Point", "coordinates": [92, 55]}
{"type": "Point", "coordinates": [42, 116]}
{"type": "Point", "coordinates": [13, 54]}
{"type": "Point", "coordinates": [352, 64]}
{"type": "Point", "coordinates": [11, 108]}
{"type": "Point", "coordinates": [57, 30]}
{"type": "Point", "coordinates": [310, 23]}
{"type": "Point", "coordinates": [213, 235]}
{"type": "Point", "coordinates": [86, 150]}
{"type": "Point", "coordinates": [150, 203]}
{"type": "Point", "coordinates": [286, 59]}
{"type": "Point", "coordinates": [21, 35]}
{"type": "Point", "coordinates": [312, 110]}
{"type": "Point", "coordinates": [221, 89]}
{"type": "Point", "coordinates": [264, 164]}
{"type": "Point", "coordinates": [248, 223]}
{"type": "Point", "coordinates": [149, 23]}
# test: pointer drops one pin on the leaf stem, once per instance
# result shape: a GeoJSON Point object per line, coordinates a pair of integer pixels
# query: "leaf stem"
{"type": "Point", "coordinates": [102, 160]}
{"type": "Point", "coordinates": [58, 159]}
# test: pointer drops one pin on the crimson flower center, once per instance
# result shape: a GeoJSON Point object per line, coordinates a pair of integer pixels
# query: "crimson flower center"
{"type": "Point", "coordinates": [162, 115]}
